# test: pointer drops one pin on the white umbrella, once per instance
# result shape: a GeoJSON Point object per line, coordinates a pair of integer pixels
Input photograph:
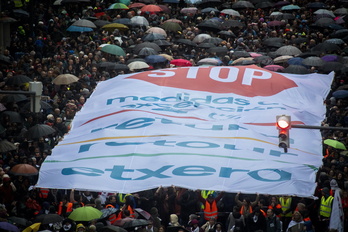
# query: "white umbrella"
{"type": "Point", "coordinates": [325, 12]}
{"type": "Point", "coordinates": [84, 23]}
{"type": "Point", "coordinates": [139, 20]}
{"type": "Point", "coordinates": [288, 50]}
{"type": "Point", "coordinates": [230, 12]}
{"type": "Point", "coordinates": [136, 65]}
{"type": "Point", "coordinates": [201, 37]}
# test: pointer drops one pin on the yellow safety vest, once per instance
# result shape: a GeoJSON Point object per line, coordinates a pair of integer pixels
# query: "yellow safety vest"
{"type": "Point", "coordinates": [18, 3]}
{"type": "Point", "coordinates": [286, 204]}
{"type": "Point", "coordinates": [205, 194]}
{"type": "Point", "coordinates": [325, 206]}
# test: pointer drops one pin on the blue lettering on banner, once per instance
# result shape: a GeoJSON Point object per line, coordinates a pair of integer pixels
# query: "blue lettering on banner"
{"type": "Point", "coordinates": [118, 171]}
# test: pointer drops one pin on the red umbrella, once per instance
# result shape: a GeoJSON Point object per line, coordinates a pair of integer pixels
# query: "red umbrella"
{"type": "Point", "coordinates": [173, 21]}
{"type": "Point", "coordinates": [151, 8]}
{"type": "Point", "coordinates": [24, 170]}
{"type": "Point", "coordinates": [181, 62]}
{"type": "Point", "coordinates": [136, 5]}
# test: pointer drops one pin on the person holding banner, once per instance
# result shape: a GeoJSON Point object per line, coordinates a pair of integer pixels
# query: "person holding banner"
{"type": "Point", "coordinates": [246, 206]}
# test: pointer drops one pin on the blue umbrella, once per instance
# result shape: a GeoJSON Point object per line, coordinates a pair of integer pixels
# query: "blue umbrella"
{"type": "Point", "coordinates": [79, 29]}
{"type": "Point", "coordinates": [153, 59]}
{"type": "Point", "coordinates": [340, 94]}
{"type": "Point", "coordinates": [290, 7]}
{"type": "Point", "coordinates": [295, 61]}
{"type": "Point", "coordinates": [171, 1]}
{"type": "Point", "coordinates": [124, 21]}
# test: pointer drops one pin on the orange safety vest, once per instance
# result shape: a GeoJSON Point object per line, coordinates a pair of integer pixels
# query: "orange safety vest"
{"type": "Point", "coordinates": [242, 210]}
{"type": "Point", "coordinates": [44, 193]}
{"type": "Point", "coordinates": [109, 206]}
{"type": "Point", "coordinates": [278, 206]}
{"type": "Point", "coordinates": [263, 212]}
{"type": "Point", "coordinates": [132, 213]}
{"type": "Point", "coordinates": [210, 210]}
{"type": "Point", "coordinates": [112, 218]}
{"type": "Point", "coordinates": [69, 208]}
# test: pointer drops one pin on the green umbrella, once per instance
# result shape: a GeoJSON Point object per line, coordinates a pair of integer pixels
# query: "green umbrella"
{"type": "Point", "coordinates": [118, 6]}
{"type": "Point", "coordinates": [126, 2]}
{"type": "Point", "coordinates": [113, 49]}
{"type": "Point", "coordinates": [335, 144]}
{"type": "Point", "coordinates": [171, 26]}
{"type": "Point", "coordinates": [86, 214]}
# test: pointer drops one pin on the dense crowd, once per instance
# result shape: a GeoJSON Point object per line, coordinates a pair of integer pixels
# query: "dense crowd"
{"type": "Point", "coordinates": [43, 45]}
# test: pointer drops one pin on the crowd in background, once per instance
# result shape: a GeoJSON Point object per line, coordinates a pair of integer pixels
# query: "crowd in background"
{"type": "Point", "coordinates": [41, 48]}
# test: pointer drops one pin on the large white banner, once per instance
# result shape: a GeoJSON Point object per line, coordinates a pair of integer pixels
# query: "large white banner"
{"type": "Point", "coordinates": [207, 128]}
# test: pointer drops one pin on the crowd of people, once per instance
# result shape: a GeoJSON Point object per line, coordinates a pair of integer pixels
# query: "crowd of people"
{"type": "Point", "coordinates": [201, 33]}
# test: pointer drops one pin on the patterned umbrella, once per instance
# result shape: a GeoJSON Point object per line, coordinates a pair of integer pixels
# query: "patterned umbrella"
{"type": "Point", "coordinates": [118, 6]}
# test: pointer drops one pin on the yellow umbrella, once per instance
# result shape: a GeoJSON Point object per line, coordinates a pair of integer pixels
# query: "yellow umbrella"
{"type": "Point", "coordinates": [168, 57]}
{"type": "Point", "coordinates": [33, 228]}
{"type": "Point", "coordinates": [113, 26]}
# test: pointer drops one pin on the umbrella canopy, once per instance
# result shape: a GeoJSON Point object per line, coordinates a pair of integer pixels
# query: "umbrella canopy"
{"type": "Point", "coordinates": [324, 22]}
{"type": "Point", "coordinates": [39, 130]}
{"type": "Point", "coordinates": [331, 66]}
{"type": "Point", "coordinates": [157, 30]}
{"type": "Point", "coordinates": [189, 10]}
{"type": "Point", "coordinates": [201, 37]}
{"type": "Point", "coordinates": [154, 46]}
{"type": "Point", "coordinates": [206, 45]}
{"type": "Point", "coordinates": [326, 48]}
{"type": "Point", "coordinates": [153, 37]}
{"type": "Point", "coordinates": [282, 59]}
{"type": "Point", "coordinates": [186, 42]}
{"type": "Point", "coordinates": [18, 221]}
{"type": "Point", "coordinates": [334, 41]}
{"type": "Point", "coordinates": [135, 223]}
{"type": "Point", "coordinates": [4, 59]}
{"type": "Point", "coordinates": [113, 49]}
{"type": "Point", "coordinates": [73, 28]}
{"type": "Point", "coordinates": [231, 12]}
{"type": "Point", "coordinates": [239, 54]}
{"type": "Point", "coordinates": [335, 144]}
{"type": "Point", "coordinates": [112, 228]}
{"type": "Point", "coordinates": [136, 5]}
{"type": "Point", "coordinates": [65, 79]}
{"type": "Point", "coordinates": [12, 116]}
{"type": "Point", "coordinates": [162, 42]}
{"type": "Point", "coordinates": [274, 68]}
{"type": "Point", "coordinates": [210, 25]}
{"type": "Point", "coordinates": [140, 21]}
{"type": "Point", "coordinates": [288, 50]}
{"type": "Point", "coordinates": [290, 7]}
{"type": "Point", "coordinates": [84, 23]}
{"type": "Point", "coordinates": [8, 227]}
{"type": "Point", "coordinates": [18, 80]}
{"type": "Point", "coordinates": [242, 5]}
{"type": "Point", "coordinates": [340, 94]}
{"type": "Point", "coordinates": [113, 26]}
{"type": "Point", "coordinates": [296, 69]}
{"type": "Point", "coordinates": [209, 61]}
{"type": "Point", "coordinates": [124, 21]}
{"type": "Point", "coordinates": [138, 65]}
{"type": "Point", "coordinates": [143, 213]}
{"type": "Point", "coordinates": [181, 63]}
{"type": "Point", "coordinates": [276, 23]}
{"type": "Point", "coordinates": [49, 218]}
{"type": "Point", "coordinates": [6, 146]}
{"type": "Point", "coordinates": [168, 57]}
{"type": "Point", "coordinates": [107, 212]}
{"type": "Point", "coordinates": [154, 59]}
{"type": "Point", "coordinates": [32, 228]}
{"type": "Point", "coordinates": [325, 12]}
{"type": "Point", "coordinates": [85, 214]}
{"type": "Point", "coordinates": [14, 98]}
{"type": "Point", "coordinates": [313, 61]}
{"type": "Point", "coordinates": [118, 6]}
{"type": "Point", "coordinates": [209, 10]}
{"type": "Point", "coordinates": [295, 61]}
{"type": "Point", "coordinates": [232, 23]}
{"type": "Point", "coordinates": [171, 26]}
{"type": "Point", "coordinates": [24, 170]}
{"type": "Point", "coordinates": [341, 11]}
{"type": "Point", "coordinates": [147, 52]}
{"type": "Point", "coordinates": [151, 9]}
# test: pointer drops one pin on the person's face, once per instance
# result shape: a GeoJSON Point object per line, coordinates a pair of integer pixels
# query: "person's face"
{"type": "Point", "coordinates": [218, 227]}
{"type": "Point", "coordinates": [269, 213]}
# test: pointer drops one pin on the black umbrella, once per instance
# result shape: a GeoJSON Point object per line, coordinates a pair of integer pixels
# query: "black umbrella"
{"type": "Point", "coordinates": [18, 80]}
{"type": "Point", "coordinates": [162, 43]}
{"type": "Point", "coordinates": [264, 4]}
{"type": "Point", "coordinates": [6, 146]}
{"type": "Point", "coordinates": [339, 33]}
{"type": "Point", "coordinates": [218, 50]}
{"type": "Point", "coordinates": [39, 130]}
{"type": "Point", "coordinates": [18, 221]}
{"type": "Point", "coordinates": [48, 218]}
{"type": "Point", "coordinates": [206, 45]}
{"type": "Point", "coordinates": [213, 40]}
{"type": "Point", "coordinates": [227, 33]}
{"type": "Point", "coordinates": [210, 25]}
{"type": "Point", "coordinates": [106, 65]}
{"type": "Point", "coordinates": [209, 10]}
{"type": "Point", "coordinates": [13, 116]}
{"type": "Point", "coordinates": [44, 105]}
{"type": "Point", "coordinates": [323, 22]}
{"type": "Point", "coordinates": [21, 13]}
{"type": "Point", "coordinates": [264, 60]}
{"type": "Point", "coordinates": [111, 228]}
{"type": "Point", "coordinates": [5, 59]}
{"type": "Point", "coordinates": [331, 66]}
{"type": "Point", "coordinates": [187, 42]}
{"type": "Point", "coordinates": [296, 69]}
{"type": "Point", "coordinates": [239, 54]}
{"type": "Point", "coordinates": [100, 23]}
{"type": "Point", "coordinates": [14, 98]}
{"type": "Point", "coordinates": [298, 40]}
{"type": "Point", "coordinates": [285, 16]}
{"type": "Point", "coordinates": [313, 61]}
{"type": "Point", "coordinates": [154, 46]}
{"type": "Point", "coordinates": [125, 21]}
{"type": "Point", "coordinates": [147, 52]}
{"type": "Point", "coordinates": [326, 48]}
{"type": "Point", "coordinates": [242, 5]}
{"type": "Point", "coordinates": [317, 5]}
{"type": "Point", "coordinates": [273, 42]}
{"type": "Point", "coordinates": [232, 23]}
{"type": "Point", "coordinates": [135, 223]}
